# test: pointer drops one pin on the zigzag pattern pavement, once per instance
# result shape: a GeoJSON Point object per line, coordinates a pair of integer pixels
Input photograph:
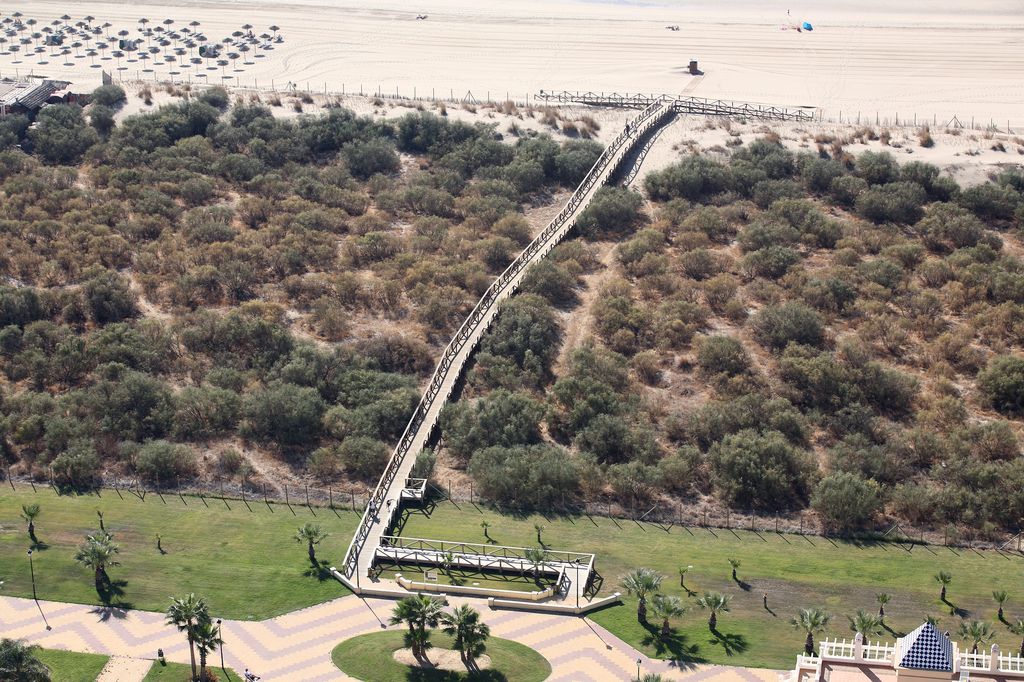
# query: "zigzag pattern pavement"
{"type": "Point", "coordinates": [296, 647]}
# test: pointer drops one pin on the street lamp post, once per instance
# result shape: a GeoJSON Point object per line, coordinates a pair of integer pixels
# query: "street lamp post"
{"type": "Point", "coordinates": [638, 662]}
{"type": "Point", "coordinates": [220, 629]}
{"type": "Point", "coordinates": [32, 571]}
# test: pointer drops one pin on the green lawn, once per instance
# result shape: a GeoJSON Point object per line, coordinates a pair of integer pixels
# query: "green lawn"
{"type": "Point", "coordinates": [243, 559]}
{"type": "Point", "coordinates": [517, 583]}
{"type": "Point", "coordinates": [70, 666]}
{"type": "Point", "coordinates": [181, 672]}
{"type": "Point", "coordinates": [796, 572]}
{"type": "Point", "coordinates": [369, 657]}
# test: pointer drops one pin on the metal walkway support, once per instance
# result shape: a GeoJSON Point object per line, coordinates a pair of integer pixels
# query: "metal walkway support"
{"type": "Point", "coordinates": [384, 504]}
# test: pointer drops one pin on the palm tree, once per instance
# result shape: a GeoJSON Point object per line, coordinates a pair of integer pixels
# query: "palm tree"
{"type": "Point", "coordinates": [642, 582]}
{"type": "Point", "coordinates": [486, 526]}
{"type": "Point", "coordinates": [865, 623]}
{"type": "Point", "coordinates": [977, 632]}
{"type": "Point", "coordinates": [716, 603]}
{"type": "Point", "coordinates": [539, 527]}
{"type": "Point", "coordinates": [1000, 596]}
{"type": "Point", "coordinates": [537, 557]}
{"type": "Point", "coordinates": [666, 607]}
{"type": "Point", "coordinates": [883, 599]}
{"type": "Point", "coordinates": [810, 621]}
{"type": "Point", "coordinates": [187, 614]}
{"type": "Point", "coordinates": [18, 662]}
{"type": "Point", "coordinates": [943, 578]}
{"type": "Point", "coordinates": [312, 534]}
{"type": "Point", "coordinates": [735, 563]}
{"type": "Point", "coordinates": [419, 612]}
{"type": "Point", "coordinates": [207, 638]}
{"type": "Point", "coordinates": [97, 553]}
{"type": "Point", "coordinates": [30, 512]}
{"type": "Point", "coordinates": [1018, 629]}
{"type": "Point", "coordinates": [652, 677]}
{"type": "Point", "coordinates": [470, 634]}
{"type": "Point", "coordinates": [683, 570]}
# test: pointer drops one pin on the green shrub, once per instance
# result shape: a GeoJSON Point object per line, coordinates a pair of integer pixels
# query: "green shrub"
{"type": "Point", "coordinates": [761, 471]}
{"type": "Point", "coordinates": [693, 178]}
{"type": "Point", "coordinates": [162, 463]}
{"type": "Point", "coordinates": [283, 413]}
{"type": "Point", "coordinates": [500, 418]}
{"type": "Point", "coordinates": [772, 262]}
{"type": "Point", "coordinates": [722, 355]}
{"type": "Point", "coordinates": [846, 501]}
{"type": "Point", "coordinates": [792, 322]}
{"type": "Point", "coordinates": [108, 96]}
{"type": "Point", "coordinates": [846, 189]}
{"type": "Point", "coordinates": [60, 134]}
{"type": "Point", "coordinates": [990, 201]}
{"type": "Point", "coordinates": [613, 210]}
{"type": "Point", "coordinates": [898, 202]}
{"type": "Point", "coordinates": [365, 458]}
{"type": "Point", "coordinates": [1002, 383]}
{"type": "Point", "coordinates": [877, 168]}
{"type": "Point", "coordinates": [534, 476]}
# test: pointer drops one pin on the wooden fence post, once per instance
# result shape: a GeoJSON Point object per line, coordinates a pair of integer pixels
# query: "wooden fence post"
{"type": "Point", "coordinates": [286, 501]}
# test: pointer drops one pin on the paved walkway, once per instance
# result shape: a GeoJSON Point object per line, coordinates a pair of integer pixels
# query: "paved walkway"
{"type": "Point", "coordinates": [125, 669]}
{"type": "Point", "coordinates": [296, 647]}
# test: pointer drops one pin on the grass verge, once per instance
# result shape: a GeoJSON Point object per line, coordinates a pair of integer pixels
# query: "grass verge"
{"type": "Point", "coordinates": [795, 571]}
{"type": "Point", "coordinates": [242, 557]}
{"type": "Point", "coordinates": [181, 672]}
{"type": "Point", "coordinates": [370, 657]}
{"type": "Point", "coordinates": [71, 666]}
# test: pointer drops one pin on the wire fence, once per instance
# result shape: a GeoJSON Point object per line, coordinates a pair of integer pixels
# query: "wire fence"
{"type": "Point", "coordinates": [498, 96]}
{"type": "Point", "coordinates": [663, 513]}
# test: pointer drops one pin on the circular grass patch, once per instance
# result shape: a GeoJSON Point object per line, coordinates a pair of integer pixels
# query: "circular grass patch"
{"type": "Point", "coordinates": [371, 657]}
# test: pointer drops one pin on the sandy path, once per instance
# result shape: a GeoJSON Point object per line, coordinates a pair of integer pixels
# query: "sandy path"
{"type": "Point", "coordinates": [124, 669]}
{"type": "Point", "coordinates": [940, 57]}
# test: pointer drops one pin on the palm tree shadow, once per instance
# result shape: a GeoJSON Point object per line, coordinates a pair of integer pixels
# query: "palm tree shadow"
{"type": "Point", "coordinates": [731, 644]}
{"type": "Point", "coordinates": [956, 610]}
{"type": "Point", "coordinates": [321, 571]}
{"type": "Point", "coordinates": [110, 593]}
{"type": "Point", "coordinates": [39, 546]}
{"type": "Point", "coordinates": [674, 645]}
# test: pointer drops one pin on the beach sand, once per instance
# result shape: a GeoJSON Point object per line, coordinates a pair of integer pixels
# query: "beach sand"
{"type": "Point", "coordinates": [933, 59]}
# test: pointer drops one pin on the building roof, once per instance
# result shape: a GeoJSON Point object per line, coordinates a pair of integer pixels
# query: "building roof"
{"type": "Point", "coordinates": [925, 649]}
{"type": "Point", "coordinates": [28, 94]}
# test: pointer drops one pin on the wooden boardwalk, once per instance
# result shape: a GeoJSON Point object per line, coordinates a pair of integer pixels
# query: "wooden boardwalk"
{"type": "Point", "coordinates": [383, 508]}
{"type": "Point", "coordinates": [697, 106]}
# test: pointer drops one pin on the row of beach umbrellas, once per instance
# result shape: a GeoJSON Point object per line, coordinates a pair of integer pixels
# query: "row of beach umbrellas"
{"type": "Point", "coordinates": [148, 46]}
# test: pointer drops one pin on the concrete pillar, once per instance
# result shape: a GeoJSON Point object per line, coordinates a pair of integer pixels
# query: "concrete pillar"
{"type": "Point", "coordinates": [993, 664]}
{"type": "Point", "coordinates": [858, 647]}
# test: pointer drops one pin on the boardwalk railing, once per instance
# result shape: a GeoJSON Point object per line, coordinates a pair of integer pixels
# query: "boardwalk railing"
{"type": "Point", "coordinates": [451, 362]}
{"type": "Point", "coordinates": [680, 104]}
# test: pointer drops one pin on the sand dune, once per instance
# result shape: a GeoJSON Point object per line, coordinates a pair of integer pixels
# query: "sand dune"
{"type": "Point", "coordinates": [934, 59]}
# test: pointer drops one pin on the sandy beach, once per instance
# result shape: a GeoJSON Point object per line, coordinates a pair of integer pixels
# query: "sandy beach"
{"type": "Point", "coordinates": [930, 59]}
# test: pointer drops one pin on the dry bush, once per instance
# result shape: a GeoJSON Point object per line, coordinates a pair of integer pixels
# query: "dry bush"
{"type": "Point", "coordinates": [254, 98]}
{"type": "Point", "coordinates": [509, 108]}
{"type": "Point", "coordinates": [466, 106]}
{"type": "Point", "coordinates": [275, 100]}
{"type": "Point", "coordinates": [999, 147]}
{"type": "Point", "coordinates": [146, 95]}
{"type": "Point", "coordinates": [924, 137]}
{"type": "Point", "coordinates": [549, 116]}
{"type": "Point", "coordinates": [297, 106]}
{"type": "Point", "coordinates": [513, 129]}
{"type": "Point", "coordinates": [569, 129]}
{"type": "Point", "coordinates": [306, 98]}
{"type": "Point", "coordinates": [885, 137]}
{"type": "Point", "coordinates": [442, 109]}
